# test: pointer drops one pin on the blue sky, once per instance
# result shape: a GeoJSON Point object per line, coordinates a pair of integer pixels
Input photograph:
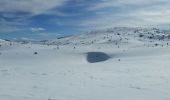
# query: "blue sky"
{"type": "Point", "coordinates": [47, 19]}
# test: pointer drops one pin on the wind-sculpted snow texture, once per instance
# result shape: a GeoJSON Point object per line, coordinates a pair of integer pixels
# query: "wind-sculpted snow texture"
{"type": "Point", "coordinates": [111, 64]}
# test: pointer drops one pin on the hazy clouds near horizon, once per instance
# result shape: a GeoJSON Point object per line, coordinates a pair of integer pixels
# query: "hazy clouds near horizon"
{"type": "Point", "coordinates": [42, 18]}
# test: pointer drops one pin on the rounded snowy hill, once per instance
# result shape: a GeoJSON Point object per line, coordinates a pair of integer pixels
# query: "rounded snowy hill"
{"type": "Point", "coordinates": [110, 64]}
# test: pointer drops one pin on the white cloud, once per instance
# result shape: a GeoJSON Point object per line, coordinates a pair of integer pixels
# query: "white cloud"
{"type": "Point", "coordinates": [122, 3]}
{"type": "Point", "coordinates": [38, 29]}
{"type": "Point", "coordinates": [129, 13]}
{"type": "Point", "coordinates": [105, 13]}
{"type": "Point", "coordinates": [34, 7]}
{"type": "Point", "coordinates": [11, 9]}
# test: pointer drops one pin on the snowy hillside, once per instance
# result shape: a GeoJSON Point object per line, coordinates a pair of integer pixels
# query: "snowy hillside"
{"type": "Point", "coordinates": [111, 64]}
{"type": "Point", "coordinates": [114, 36]}
{"type": "Point", "coordinates": [3, 41]}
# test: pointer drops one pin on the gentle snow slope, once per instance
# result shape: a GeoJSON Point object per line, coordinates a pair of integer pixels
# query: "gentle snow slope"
{"type": "Point", "coordinates": [138, 73]}
{"type": "Point", "coordinates": [135, 69]}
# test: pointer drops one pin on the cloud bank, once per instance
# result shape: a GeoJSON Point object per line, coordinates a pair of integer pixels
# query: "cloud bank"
{"type": "Point", "coordinates": [74, 16]}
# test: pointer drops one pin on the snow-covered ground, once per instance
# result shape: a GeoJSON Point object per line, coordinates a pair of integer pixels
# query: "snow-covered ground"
{"type": "Point", "coordinates": [137, 68]}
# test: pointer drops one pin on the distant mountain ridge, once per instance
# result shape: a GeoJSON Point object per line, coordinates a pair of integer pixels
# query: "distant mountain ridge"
{"type": "Point", "coordinates": [113, 35]}
{"type": "Point", "coordinates": [108, 35]}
